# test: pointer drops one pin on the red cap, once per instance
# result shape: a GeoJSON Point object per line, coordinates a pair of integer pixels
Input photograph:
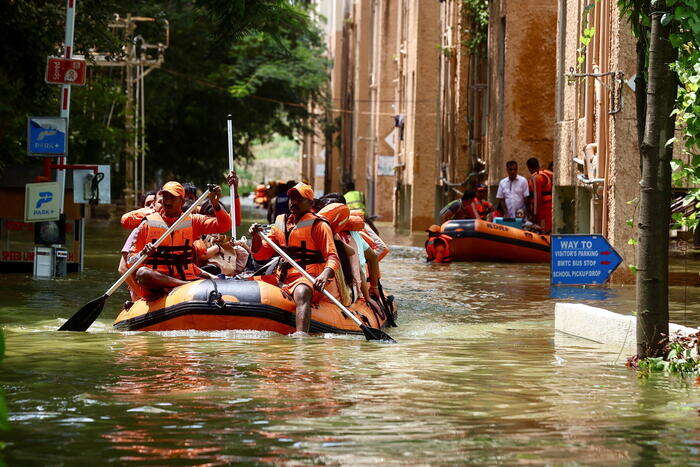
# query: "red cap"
{"type": "Point", "coordinates": [303, 189]}
{"type": "Point", "coordinates": [174, 188]}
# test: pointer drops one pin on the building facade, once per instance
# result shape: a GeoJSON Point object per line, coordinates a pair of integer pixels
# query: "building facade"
{"type": "Point", "coordinates": [420, 112]}
{"type": "Point", "coordinates": [596, 150]}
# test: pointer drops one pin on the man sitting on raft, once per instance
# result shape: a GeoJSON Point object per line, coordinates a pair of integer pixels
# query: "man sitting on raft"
{"type": "Point", "coordinates": [308, 239]}
{"type": "Point", "coordinates": [172, 263]}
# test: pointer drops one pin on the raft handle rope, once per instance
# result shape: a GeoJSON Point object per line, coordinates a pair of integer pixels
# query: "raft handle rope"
{"type": "Point", "coordinates": [215, 298]}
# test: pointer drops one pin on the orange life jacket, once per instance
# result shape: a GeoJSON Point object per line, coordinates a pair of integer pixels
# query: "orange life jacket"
{"type": "Point", "coordinates": [433, 250]}
{"type": "Point", "coordinates": [175, 256]}
{"type": "Point", "coordinates": [547, 189]}
{"type": "Point", "coordinates": [299, 244]}
{"type": "Point", "coordinates": [480, 207]}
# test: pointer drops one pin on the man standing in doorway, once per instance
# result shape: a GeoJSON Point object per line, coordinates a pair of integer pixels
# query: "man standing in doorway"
{"type": "Point", "coordinates": [541, 182]}
{"type": "Point", "coordinates": [512, 191]}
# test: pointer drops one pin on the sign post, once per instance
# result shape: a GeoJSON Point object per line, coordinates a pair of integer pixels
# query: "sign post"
{"type": "Point", "coordinates": [65, 91]}
{"type": "Point", "coordinates": [582, 260]}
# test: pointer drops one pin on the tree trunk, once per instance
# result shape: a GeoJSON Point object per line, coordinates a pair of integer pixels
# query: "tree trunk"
{"type": "Point", "coordinates": [640, 86]}
{"type": "Point", "coordinates": [655, 192]}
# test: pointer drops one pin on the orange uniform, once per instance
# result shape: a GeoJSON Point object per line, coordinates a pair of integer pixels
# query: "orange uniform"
{"type": "Point", "coordinates": [132, 219]}
{"type": "Point", "coordinates": [437, 248]}
{"type": "Point", "coordinates": [309, 241]}
{"type": "Point", "coordinates": [482, 207]}
{"type": "Point", "coordinates": [541, 188]}
{"type": "Point", "coordinates": [175, 256]}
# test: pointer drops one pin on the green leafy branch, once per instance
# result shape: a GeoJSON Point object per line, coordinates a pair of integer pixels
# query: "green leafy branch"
{"type": "Point", "coordinates": [476, 12]}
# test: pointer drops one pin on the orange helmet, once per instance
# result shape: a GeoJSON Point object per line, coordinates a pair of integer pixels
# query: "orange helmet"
{"type": "Point", "coordinates": [355, 223]}
{"type": "Point", "coordinates": [337, 215]}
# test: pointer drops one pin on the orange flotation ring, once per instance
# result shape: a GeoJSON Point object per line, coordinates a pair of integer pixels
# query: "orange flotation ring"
{"type": "Point", "coordinates": [212, 305]}
{"type": "Point", "coordinates": [479, 240]}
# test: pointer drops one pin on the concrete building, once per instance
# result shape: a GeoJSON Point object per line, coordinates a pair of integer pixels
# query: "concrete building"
{"type": "Point", "coordinates": [596, 151]}
{"type": "Point", "coordinates": [408, 106]}
{"type": "Point", "coordinates": [521, 84]}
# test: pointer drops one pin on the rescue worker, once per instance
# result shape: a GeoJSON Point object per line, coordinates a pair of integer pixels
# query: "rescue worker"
{"type": "Point", "coordinates": [308, 239]}
{"type": "Point", "coordinates": [463, 208]}
{"type": "Point", "coordinates": [437, 246]}
{"type": "Point", "coordinates": [129, 221]}
{"type": "Point", "coordinates": [355, 199]}
{"type": "Point", "coordinates": [261, 195]}
{"type": "Point", "coordinates": [540, 186]}
{"type": "Point", "coordinates": [483, 207]}
{"type": "Point", "coordinates": [172, 263]}
{"type": "Point", "coordinates": [279, 205]}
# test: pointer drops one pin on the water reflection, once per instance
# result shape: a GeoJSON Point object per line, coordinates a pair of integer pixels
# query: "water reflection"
{"type": "Point", "coordinates": [478, 376]}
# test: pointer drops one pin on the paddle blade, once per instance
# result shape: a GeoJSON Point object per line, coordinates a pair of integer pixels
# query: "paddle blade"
{"type": "Point", "coordinates": [374, 334]}
{"type": "Point", "coordinates": [87, 315]}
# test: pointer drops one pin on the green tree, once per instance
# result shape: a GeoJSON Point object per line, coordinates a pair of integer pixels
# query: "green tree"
{"type": "Point", "coordinates": [668, 35]}
{"type": "Point", "coordinates": [264, 79]}
{"type": "Point", "coordinates": [259, 60]}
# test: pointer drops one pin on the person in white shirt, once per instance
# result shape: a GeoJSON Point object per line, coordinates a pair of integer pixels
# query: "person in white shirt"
{"type": "Point", "coordinates": [512, 191]}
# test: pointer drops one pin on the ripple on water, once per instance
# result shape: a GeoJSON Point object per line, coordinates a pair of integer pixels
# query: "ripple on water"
{"type": "Point", "coordinates": [477, 376]}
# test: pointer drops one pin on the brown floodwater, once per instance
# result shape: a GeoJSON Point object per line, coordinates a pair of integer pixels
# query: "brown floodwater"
{"type": "Point", "coordinates": [478, 376]}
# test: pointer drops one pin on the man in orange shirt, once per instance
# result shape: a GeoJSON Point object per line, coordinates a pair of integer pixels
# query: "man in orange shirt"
{"type": "Point", "coordinates": [541, 182]}
{"type": "Point", "coordinates": [308, 239]}
{"type": "Point", "coordinates": [172, 263]}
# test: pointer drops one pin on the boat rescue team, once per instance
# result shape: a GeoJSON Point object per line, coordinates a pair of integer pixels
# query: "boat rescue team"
{"type": "Point", "coordinates": [524, 203]}
{"type": "Point", "coordinates": [329, 240]}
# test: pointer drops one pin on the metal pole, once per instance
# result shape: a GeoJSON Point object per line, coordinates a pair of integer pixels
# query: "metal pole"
{"type": "Point", "coordinates": [137, 116]}
{"type": "Point", "coordinates": [143, 133]}
{"type": "Point", "coordinates": [65, 94]}
{"type": "Point", "coordinates": [229, 124]}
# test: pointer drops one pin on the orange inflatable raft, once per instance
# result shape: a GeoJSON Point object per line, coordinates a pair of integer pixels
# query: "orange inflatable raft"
{"type": "Point", "coordinates": [478, 240]}
{"type": "Point", "coordinates": [212, 305]}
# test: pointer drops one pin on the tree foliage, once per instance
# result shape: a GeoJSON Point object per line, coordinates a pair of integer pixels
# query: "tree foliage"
{"type": "Point", "coordinates": [685, 17]}
{"type": "Point", "coordinates": [259, 60]}
{"type": "Point", "coordinates": [477, 13]}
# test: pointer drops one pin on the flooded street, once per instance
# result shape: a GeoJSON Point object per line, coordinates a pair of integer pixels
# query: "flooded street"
{"type": "Point", "coordinates": [477, 376]}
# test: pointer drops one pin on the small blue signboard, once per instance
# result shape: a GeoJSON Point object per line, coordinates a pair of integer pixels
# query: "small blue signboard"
{"type": "Point", "coordinates": [582, 259]}
{"type": "Point", "coordinates": [46, 136]}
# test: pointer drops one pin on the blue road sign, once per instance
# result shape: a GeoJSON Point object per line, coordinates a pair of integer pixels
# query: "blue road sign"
{"type": "Point", "coordinates": [582, 259]}
{"type": "Point", "coordinates": [46, 136]}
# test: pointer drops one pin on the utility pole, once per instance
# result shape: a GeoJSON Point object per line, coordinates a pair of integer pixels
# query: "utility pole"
{"type": "Point", "coordinates": [138, 62]}
{"type": "Point", "coordinates": [130, 195]}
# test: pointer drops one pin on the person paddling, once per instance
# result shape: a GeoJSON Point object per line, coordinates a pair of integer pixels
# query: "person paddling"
{"type": "Point", "coordinates": [172, 264]}
{"type": "Point", "coordinates": [308, 239]}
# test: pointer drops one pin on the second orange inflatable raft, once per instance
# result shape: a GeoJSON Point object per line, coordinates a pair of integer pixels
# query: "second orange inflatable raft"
{"type": "Point", "coordinates": [478, 240]}
{"type": "Point", "coordinates": [213, 305]}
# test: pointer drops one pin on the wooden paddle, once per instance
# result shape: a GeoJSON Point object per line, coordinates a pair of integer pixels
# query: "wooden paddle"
{"type": "Point", "coordinates": [87, 315]}
{"type": "Point", "coordinates": [370, 333]}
